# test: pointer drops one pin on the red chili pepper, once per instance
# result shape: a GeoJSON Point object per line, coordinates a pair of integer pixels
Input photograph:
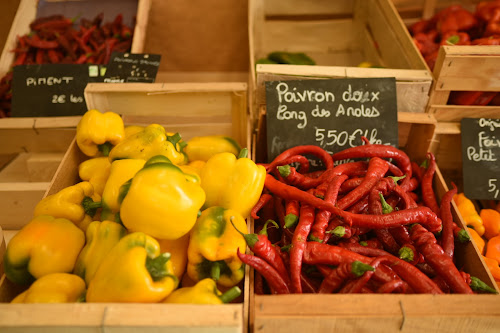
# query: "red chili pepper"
{"type": "Point", "coordinates": [490, 40]}
{"type": "Point", "coordinates": [86, 35]}
{"type": "Point", "coordinates": [337, 276]}
{"type": "Point", "coordinates": [303, 150]}
{"type": "Point", "coordinates": [110, 43]}
{"type": "Point", "coordinates": [381, 151]}
{"type": "Point", "coordinates": [35, 41]}
{"type": "Point", "coordinates": [273, 278]}
{"type": "Point", "coordinates": [21, 59]}
{"type": "Point", "coordinates": [420, 26]}
{"type": "Point", "coordinates": [456, 18]}
{"type": "Point", "coordinates": [55, 24]}
{"type": "Point", "coordinates": [409, 253]}
{"type": "Point", "coordinates": [487, 10]}
{"type": "Point", "coordinates": [426, 185]}
{"type": "Point", "coordinates": [447, 237]}
{"type": "Point", "coordinates": [350, 184]}
{"type": "Point", "coordinates": [291, 213]}
{"type": "Point", "coordinates": [263, 200]}
{"type": "Point", "coordinates": [286, 234]}
{"type": "Point", "coordinates": [455, 38]}
{"type": "Point", "coordinates": [125, 32]}
{"type": "Point", "coordinates": [471, 97]}
{"type": "Point", "coordinates": [377, 168]}
{"type": "Point", "coordinates": [258, 283]}
{"type": "Point", "coordinates": [391, 286]}
{"type": "Point", "coordinates": [262, 247]}
{"type": "Point", "coordinates": [426, 42]}
{"type": "Point", "coordinates": [425, 242]}
{"type": "Point", "coordinates": [416, 170]}
{"type": "Point", "coordinates": [39, 56]}
{"type": "Point", "coordinates": [299, 241]}
{"type": "Point", "coordinates": [323, 216]}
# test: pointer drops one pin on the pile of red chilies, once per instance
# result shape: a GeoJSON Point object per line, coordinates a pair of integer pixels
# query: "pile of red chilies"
{"type": "Point", "coordinates": [359, 227]}
{"type": "Point", "coordinates": [55, 40]}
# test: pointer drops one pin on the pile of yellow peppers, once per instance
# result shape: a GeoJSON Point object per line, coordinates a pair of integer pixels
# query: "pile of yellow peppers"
{"type": "Point", "coordinates": [150, 221]}
{"type": "Point", "coordinates": [484, 228]}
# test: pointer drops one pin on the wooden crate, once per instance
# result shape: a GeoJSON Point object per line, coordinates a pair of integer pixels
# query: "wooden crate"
{"type": "Point", "coordinates": [30, 152]}
{"type": "Point", "coordinates": [384, 313]}
{"type": "Point", "coordinates": [338, 35]}
{"type": "Point", "coordinates": [460, 68]}
{"type": "Point", "coordinates": [190, 109]}
{"type": "Point", "coordinates": [199, 40]}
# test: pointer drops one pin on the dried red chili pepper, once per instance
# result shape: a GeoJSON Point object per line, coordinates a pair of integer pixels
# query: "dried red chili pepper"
{"type": "Point", "coordinates": [35, 41]}
{"type": "Point", "coordinates": [273, 278]}
{"type": "Point", "coordinates": [425, 242]}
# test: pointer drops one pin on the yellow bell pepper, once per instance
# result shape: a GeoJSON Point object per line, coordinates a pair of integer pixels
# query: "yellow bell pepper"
{"type": "Point", "coordinates": [161, 201]}
{"type": "Point", "coordinates": [152, 141]}
{"type": "Point", "coordinates": [45, 245]}
{"type": "Point", "coordinates": [133, 129]}
{"type": "Point", "coordinates": [96, 172]}
{"type": "Point", "coordinates": [133, 271]}
{"type": "Point", "coordinates": [197, 165]}
{"type": "Point", "coordinates": [101, 237]}
{"type": "Point", "coordinates": [120, 172]}
{"type": "Point", "coordinates": [98, 132]}
{"type": "Point", "coordinates": [469, 213]}
{"type": "Point", "coordinates": [178, 249]}
{"type": "Point", "coordinates": [204, 292]}
{"type": "Point", "coordinates": [54, 288]}
{"type": "Point", "coordinates": [213, 246]}
{"type": "Point", "coordinates": [232, 183]}
{"type": "Point", "coordinates": [204, 147]}
{"type": "Point", "coordinates": [77, 203]}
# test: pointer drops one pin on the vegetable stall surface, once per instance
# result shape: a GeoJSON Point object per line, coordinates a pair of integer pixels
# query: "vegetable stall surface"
{"type": "Point", "coordinates": [56, 39]}
{"type": "Point", "coordinates": [367, 226]}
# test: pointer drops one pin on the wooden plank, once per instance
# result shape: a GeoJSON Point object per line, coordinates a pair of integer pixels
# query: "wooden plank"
{"type": "Point", "coordinates": [2, 249]}
{"type": "Point", "coordinates": [448, 113]}
{"type": "Point", "coordinates": [17, 201]}
{"type": "Point", "coordinates": [299, 7]}
{"type": "Point", "coordinates": [143, 12]}
{"type": "Point", "coordinates": [86, 317]}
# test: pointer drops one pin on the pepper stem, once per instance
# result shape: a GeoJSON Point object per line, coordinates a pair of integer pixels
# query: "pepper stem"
{"type": "Point", "coordinates": [478, 285]}
{"type": "Point", "coordinates": [463, 236]}
{"type": "Point", "coordinates": [386, 208]}
{"type": "Point", "coordinates": [105, 148]}
{"type": "Point", "coordinates": [284, 170]}
{"type": "Point", "coordinates": [250, 239]}
{"type": "Point", "coordinates": [230, 295]}
{"type": "Point", "coordinates": [264, 228]}
{"type": "Point", "coordinates": [359, 268]}
{"type": "Point", "coordinates": [215, 271]}
{"type": "Point", "coordinates": [339, 231]}
{"type": "Point", "coordinates": [397, 179]}
{"type": "Point", "coordinates": [243, 153]}
{"type": "Point", "coordinates": [405, 253]}
{"type": "Point", "coordinates": [157, 266]}
{"type": "Point", "coordinates": [290, 220]}
{"type": "Point", "coordinates": [90, 206]}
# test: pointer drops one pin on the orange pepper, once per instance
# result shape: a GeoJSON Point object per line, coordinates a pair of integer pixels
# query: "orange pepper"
{"type": "Point", "coordinates": [469, 213]}
{"type": "Point", "coordinates": [493, 248]}
{"type": "Point", "coordinates": [478, 240]}
{"type": "Point", "coordinates": [493, 267]}
{"type": "Point", "coordinates": [491, 222]}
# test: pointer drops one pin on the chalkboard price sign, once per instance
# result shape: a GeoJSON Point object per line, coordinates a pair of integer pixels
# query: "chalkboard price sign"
{"type": "Point", "coordinates": [332, 114]}
{"type": "Point", "coordinates": [52, 89]}
{"type": "Point", "coordinates": [481, 158]}
{"type": "Point", "coordinates": [132, 67]}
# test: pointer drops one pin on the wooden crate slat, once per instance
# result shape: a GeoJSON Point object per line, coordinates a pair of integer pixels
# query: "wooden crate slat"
{"type": "Point", "coordinates": [300, 7]}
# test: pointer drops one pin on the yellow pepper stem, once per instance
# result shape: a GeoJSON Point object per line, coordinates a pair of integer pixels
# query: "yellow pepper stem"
{"type": "Point", "coordinates": [105, 148]}
{"type": "Point", "coordinates": [90, 206]}
{"type": "Point", "coordinates": [243, 153]}
{"type": "Point", "coordinates": [157, 268]}
{"type": "Point", "coordinates": [215, 271]}
{"type": "Point", "coordinates": [463, 236]}
{"type": "Point", "coordinates": [230, 295]}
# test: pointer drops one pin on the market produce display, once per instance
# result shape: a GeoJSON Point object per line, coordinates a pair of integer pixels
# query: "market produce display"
{"type": "Point", "coordinates": [368, 226]}
{"type": "Point", "coordinates": [484, 227]}
{"type": "Point", "coordinates": [455, 25]}
{"type": "Point", "coordinates": [146, 219]}
{"type": "Point", "coordinates": [57, 39]}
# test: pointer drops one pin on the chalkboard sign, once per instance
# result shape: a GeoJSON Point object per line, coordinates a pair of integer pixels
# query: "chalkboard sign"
{"type": "Point", "coordinates": [52, 89]}
{"type": "Point", "coordinates": [132, 67]}
{"type": "Point", "coordinates": [332, 114]}
{"type": "Point", "coordinates": [481, 158]}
